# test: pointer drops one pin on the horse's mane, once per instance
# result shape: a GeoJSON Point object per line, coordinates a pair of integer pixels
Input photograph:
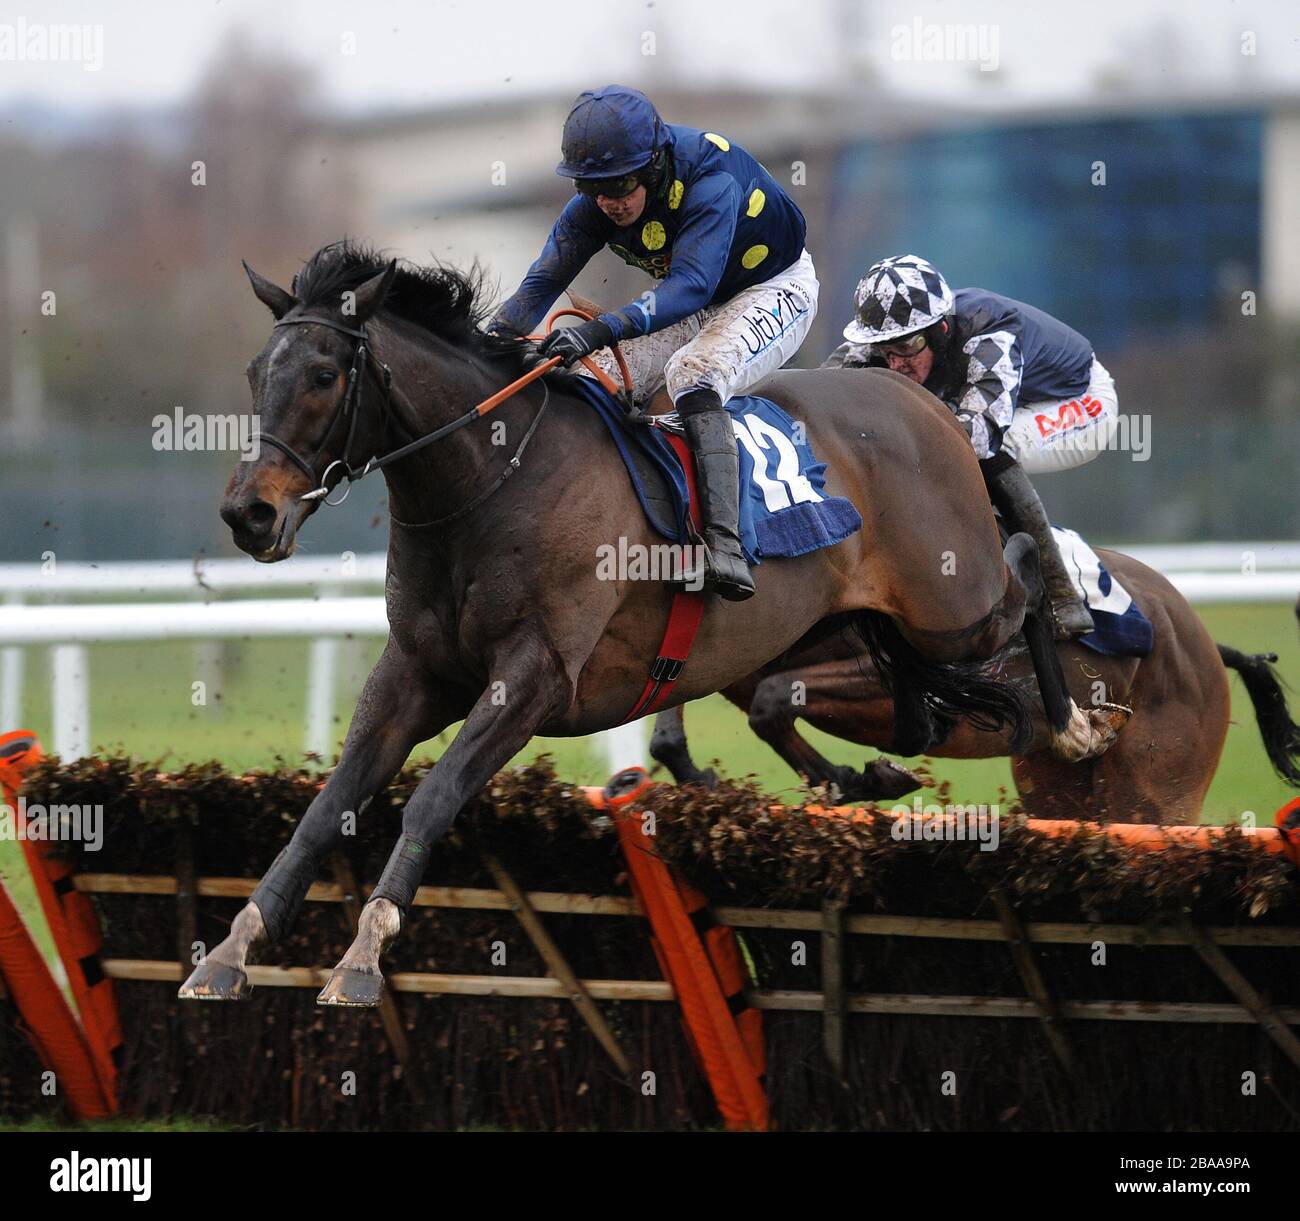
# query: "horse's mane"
{"type": "Point", "coordinates": [443, 300]}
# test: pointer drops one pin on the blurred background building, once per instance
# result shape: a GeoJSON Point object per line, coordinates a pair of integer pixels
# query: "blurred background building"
{"type": "Point", "coordinates": [1183, 267]}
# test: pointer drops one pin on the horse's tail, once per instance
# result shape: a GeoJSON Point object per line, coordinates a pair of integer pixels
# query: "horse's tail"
{"type": "Point", "coordinates": [931, 697]}
{"type": "Point", "coordinates": [1280, 733]}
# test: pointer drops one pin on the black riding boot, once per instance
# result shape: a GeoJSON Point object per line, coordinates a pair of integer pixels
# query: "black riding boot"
{"type": "Point", "coordinates": [1010, 490]}
{"type": "Point", "coordinates": [717, 467]}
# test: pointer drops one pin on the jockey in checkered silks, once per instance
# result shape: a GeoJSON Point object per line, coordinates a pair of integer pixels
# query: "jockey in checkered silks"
{"type": "Point", "coordinates": [737, 290]}
{"type": "Point", "coordinates": [1027, 389]}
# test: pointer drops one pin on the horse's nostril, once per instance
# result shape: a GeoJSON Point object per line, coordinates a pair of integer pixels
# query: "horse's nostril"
{"type": "Point", "coordinates": [259, 515]}
{"type": "Point", "coordinates": [256, 517]}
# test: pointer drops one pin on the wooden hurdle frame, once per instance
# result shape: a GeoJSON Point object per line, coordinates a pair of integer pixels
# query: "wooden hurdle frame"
{"type": "Point", "coordinates": [832, 1002]}
{"type": "Point", "coordinates": [833, 925]}
{"type": "Point", "coordinates": [734, 1088]}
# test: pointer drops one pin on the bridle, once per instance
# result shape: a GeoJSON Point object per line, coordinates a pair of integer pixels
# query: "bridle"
{"type": "Point", "coordinates": [349, 409]}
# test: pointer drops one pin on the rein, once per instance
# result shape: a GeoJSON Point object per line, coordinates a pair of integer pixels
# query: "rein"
{"type": "Point", "coordinates": [349, 409]}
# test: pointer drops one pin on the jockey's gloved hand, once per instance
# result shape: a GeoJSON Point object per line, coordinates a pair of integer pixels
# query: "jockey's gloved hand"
{"type": "Point", "coordinates": [571, 342]}
{"type": "Point", "coordinates": [531, 356]}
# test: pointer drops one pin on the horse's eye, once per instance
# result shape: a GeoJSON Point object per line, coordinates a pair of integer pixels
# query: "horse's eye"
{"type": "Point", "coordinates": [324, 378]}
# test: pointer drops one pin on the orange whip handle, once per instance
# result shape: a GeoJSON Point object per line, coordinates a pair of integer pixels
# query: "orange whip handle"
{"type": "Point", "coordinates": [600, 375]}
{"type": "Point", "coordinates": [532, 375]}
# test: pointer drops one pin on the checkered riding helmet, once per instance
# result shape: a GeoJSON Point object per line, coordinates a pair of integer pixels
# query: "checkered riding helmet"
{"type": "Point", "coordinates": [897, 297]}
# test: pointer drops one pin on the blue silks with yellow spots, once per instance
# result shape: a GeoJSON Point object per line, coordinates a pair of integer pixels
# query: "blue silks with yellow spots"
{"type": "Point", "coordinates": [717, 223]}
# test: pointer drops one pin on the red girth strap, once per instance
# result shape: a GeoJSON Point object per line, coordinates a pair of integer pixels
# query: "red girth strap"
{"type": "Point", "coordinates": [683, 617]}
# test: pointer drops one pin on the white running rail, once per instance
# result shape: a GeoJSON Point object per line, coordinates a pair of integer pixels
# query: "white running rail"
{"type": "Point", "coordinates": [36, 611]}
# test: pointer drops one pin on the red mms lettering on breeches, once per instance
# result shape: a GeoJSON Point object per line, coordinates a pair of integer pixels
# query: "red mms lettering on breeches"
{"type": "Point", "coordinates": [1068, 415]}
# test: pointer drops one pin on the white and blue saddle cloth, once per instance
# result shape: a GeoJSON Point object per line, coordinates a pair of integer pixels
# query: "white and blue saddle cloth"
{"type": "Point", "coordinates": [784, 510]}
{"type": "Point", "coordinates": [1121, 629]}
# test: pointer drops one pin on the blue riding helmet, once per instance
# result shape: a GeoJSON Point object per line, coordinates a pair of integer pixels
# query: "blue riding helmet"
{"type": "Point", "coordinates": [609, 132]}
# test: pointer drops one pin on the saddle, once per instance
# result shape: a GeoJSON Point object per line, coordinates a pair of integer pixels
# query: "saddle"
{"type": "Point", "coordinates": [784, 509]}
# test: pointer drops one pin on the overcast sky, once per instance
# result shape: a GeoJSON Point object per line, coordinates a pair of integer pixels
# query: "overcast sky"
{"type": "Point", "coordinates": [410, 53]}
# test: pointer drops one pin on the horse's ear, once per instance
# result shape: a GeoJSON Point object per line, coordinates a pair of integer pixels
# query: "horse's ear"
{"type": "Point", "coordinates": [371, 294]}
{"type": "Point", "coordinates": [271, 295]}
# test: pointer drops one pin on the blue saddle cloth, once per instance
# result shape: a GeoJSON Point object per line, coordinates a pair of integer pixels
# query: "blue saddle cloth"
{"type": "Point", "coordinates": [783, 508]}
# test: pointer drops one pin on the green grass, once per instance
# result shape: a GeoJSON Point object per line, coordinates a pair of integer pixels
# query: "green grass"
{"type": "Point", "coordinates": [176, 1123]}
{"type": "Point", "coordinates": [141, 703]}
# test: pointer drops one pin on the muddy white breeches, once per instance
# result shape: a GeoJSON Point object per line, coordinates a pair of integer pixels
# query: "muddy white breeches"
{"type": "Point", "coordinates": [727, 347]}
{"type": "Point", "coordinates": [1056, 436]}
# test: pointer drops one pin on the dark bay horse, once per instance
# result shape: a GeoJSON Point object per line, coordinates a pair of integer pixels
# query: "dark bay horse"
{"type": "Point", "coordinates": [1158, 771]}
{"type": "Point", "coordinates": [497, 611]}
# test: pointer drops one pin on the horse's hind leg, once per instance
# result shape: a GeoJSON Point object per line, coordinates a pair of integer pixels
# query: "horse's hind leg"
{"type": "Point", "coordinates": [838, 692]}
{"type": "Point", "coordinates": [922, 668]}
{"type": "Point", "coordinates": [668, 746]}
{"type": "Point", "coordinates": [393, 715]}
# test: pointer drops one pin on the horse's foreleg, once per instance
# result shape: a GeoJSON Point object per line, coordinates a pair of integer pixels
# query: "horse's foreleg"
{"type": "Point", "coordinates": [393, 715]}
{"type": "Point", "coordinates": [1074, 734]}
{"type": "Point", "coordinates": [668, 746]}
{"type": "Point", "coordinates": [523, 692]}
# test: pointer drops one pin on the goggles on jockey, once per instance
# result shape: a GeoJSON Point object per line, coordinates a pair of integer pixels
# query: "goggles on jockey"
{"type": "Point", "coordinates": [909, 345]}
{"type": "Point", "coordinates": [610, 188]}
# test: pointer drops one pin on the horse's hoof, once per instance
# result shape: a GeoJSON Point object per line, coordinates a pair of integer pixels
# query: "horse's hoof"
{"type": "Point", "coordinates": [878, 780]}
{"type": "Point", "coordinates": [348, 986]}
{"type": "Point", "coordinates": [215, 981]}
{"type": "Point", "coordinates": [1090, 733]}
{"type": "Point", "coordinates": [1108, 720]}
{"type": "Point", "coordinates": [891, 779]}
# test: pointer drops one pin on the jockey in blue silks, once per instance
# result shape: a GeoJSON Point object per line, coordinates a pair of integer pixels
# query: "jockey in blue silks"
{"type": "Point", "coordinates": [737, 291]}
